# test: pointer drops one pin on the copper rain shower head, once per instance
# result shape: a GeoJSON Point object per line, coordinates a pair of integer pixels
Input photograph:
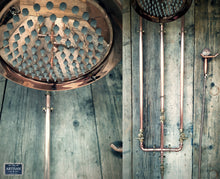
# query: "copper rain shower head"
{"type": "Point", "coordinates": [161, 11]}
{"type": "Point", "coordinates": [55, 45]}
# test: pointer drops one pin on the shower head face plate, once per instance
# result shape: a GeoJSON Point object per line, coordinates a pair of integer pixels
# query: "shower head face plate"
{"type": "Point", "coordinates": [48, 45]}
{"type": "Point", "coordinates": [161, 11]}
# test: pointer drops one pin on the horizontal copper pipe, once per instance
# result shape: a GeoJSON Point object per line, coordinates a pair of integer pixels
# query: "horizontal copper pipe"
{"type": "Point", "coordinates": [161, 149]}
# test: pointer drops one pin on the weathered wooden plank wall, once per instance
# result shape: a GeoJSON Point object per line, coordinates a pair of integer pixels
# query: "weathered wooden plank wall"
{"type": "Point", "coordinates": [127, 92]}
{"type": "Point", "coordinates": [22, 130]}
{"type": "Point", "coordinates": [84, 123]}
{"type": "Point", "coordinates": [202, 30]}
{"type": "Point", "coordinates": [207, 34]}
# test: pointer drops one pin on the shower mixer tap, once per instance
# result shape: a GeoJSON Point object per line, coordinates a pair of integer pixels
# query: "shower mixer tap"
{"type": "Point", "coordinates": [206, 54]}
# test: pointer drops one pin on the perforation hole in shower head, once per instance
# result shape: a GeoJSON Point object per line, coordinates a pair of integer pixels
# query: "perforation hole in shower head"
{"type": "Point", "coordinates": [55, 42]}
{"type": "Point", "coordinates": [161, 10]}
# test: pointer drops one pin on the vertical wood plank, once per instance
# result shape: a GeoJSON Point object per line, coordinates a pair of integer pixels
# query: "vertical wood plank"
{"type": "Point", "coordinates": [207, 23]}
{"type": "Point", "coordinates": [22, 130]}
{"type": "Point", "coordinates": [146, 164]}
{"type": "Point", "coordinates": [74, 144]}
{"type": "Point", "coordinates": [179, 164]}
{"type": "Point", "coordinates": [127, 93]}
{"type": "Point", "coordinates": [107, 100]}
{"type": "Point", "coordinates": [3, 83]}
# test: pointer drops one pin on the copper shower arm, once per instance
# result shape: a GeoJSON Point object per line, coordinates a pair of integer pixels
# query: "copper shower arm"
{"type": "Point", "coordinates": [212, 56]}
{"type": "Point", "coordinates": [115, 148]}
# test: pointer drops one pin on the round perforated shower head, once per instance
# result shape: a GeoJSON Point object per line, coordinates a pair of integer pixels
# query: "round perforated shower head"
{"type": "Point", "coordinates": [161, 11]}
{"type": "Point", "coordinates": [55, 45]}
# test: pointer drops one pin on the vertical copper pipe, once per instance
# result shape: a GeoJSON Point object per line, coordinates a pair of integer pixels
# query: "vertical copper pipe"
{"type": "Point", "coordinates": [141, 72]}
{"type": "Point", "coordinates": [162, 118]}
{"type": "Point", "coordinates": [47, 139]}
{"type": "Point", "coordinates": [205, 67]}
{"type": "Point", "coordinates": [182, 73]}
{"type": "Point", "coordinates": [162, 67]}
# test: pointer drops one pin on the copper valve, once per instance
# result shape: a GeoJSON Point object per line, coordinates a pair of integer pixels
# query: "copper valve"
{"type": "Point", "coordinates": [206, 54]}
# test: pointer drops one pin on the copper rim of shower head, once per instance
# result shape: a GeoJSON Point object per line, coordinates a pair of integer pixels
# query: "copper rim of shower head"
{"type": "Point", "coordinates": [34, 57]}
{"type": "Point", "coordinates": [161, 11]}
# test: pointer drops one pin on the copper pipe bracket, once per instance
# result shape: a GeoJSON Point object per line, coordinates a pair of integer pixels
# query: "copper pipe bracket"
{"type": "Point", "coordinates": [45, 109]}
{"type": "Point", "coordinates": [164, 30]}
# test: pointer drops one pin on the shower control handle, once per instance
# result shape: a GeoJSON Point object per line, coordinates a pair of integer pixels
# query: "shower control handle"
{"type": "Point", "coordinates": [206, 57]}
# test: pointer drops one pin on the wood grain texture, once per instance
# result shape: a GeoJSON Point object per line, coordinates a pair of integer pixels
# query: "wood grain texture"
{"type": "Point", "coordinates": [207, 34]}
{"type": "Point", "coordinates": [127, 93]}
{"type": "Point", "coordinates": [146, 164]}
{"type": "Point", "coordinates": [74, 144]}
{"type": "Point", "coordinates": [107, 96]}
{"type": "Point", "coordinates": [22, 130]}
{"type": "Point", "coordinates": [179, 164]}
{"type": "Point", "coordinates": [84, 123]}
{"type": "Point", "coordinates": [202, 30]}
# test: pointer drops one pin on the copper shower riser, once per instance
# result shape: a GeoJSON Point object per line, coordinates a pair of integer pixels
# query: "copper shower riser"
{"type": "Point", "coordinates": [162, 117]}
